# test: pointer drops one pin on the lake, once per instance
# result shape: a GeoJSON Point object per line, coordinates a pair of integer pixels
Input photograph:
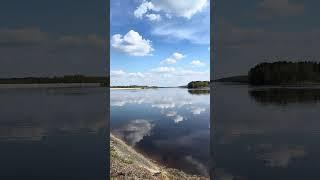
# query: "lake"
{"type": "Point", "coordinates": [53, 133]}
{"type": "Point", "coordinates": [266, 133]}
{"type": "Point", "coordinates": [168, 125]}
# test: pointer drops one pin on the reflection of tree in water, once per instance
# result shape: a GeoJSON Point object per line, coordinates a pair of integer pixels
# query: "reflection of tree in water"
{"type": "Point", "coordinates": [284, 96]}
{"type": "Point", "coordinates": [199, 91]}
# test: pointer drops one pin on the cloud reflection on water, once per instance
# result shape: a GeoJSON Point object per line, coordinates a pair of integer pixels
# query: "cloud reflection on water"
{"type": "Point", "coordinates": [134, 131]}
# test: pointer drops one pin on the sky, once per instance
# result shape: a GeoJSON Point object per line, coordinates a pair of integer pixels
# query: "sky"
{"type": "Point", "coordinates": [159, 42]}
{"type": "Point", "coordinates": [47, 38]}
{"type": "Point", "coordinates": [249, 32]}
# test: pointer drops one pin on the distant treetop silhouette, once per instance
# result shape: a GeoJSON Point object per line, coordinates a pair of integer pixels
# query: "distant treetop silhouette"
{"type": "Point", "coordinates": [284, 72]}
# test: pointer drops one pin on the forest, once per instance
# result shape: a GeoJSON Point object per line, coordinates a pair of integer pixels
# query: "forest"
{"type": "Point", "coordinates": [63, 79]}
{"type": "Point", "coordinates": [283, 72]}
{"type": "Point", "coordinates": [198, 84]}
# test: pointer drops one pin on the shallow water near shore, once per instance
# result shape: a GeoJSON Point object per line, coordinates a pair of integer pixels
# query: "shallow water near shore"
{"type": "Point", "coordinates": [168, 125]}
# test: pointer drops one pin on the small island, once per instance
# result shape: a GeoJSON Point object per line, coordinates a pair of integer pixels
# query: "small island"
{"type": "Point", "coordinates": [279, 73]}
{"type": "Point", "coordinates": [198, 85]}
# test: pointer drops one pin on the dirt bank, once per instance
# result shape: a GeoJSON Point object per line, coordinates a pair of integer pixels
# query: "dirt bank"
{"type": "Point", "coordinates": [127, 164]}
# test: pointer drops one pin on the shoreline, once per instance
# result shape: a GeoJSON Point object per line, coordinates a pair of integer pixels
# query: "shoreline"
{"type": "Point", "coordinates": [50, 85]}
{"type": "Point", "coordinates": [124, 88]}
{"type": "Point", "coordinates": [127, 163]}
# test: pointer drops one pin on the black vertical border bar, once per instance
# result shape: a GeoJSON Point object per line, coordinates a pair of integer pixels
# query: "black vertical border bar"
{"type": "Point", "coordinates": [212, 48]}
{"type": "Point", "coordinates": [107, 59]}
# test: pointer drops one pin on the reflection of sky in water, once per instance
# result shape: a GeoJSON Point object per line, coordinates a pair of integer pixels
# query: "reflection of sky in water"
{"type": "Point", "coordinates": [266, 135]}
{"type": "Point", "coordinates": [52, 131]}
{"type": "Point", "coordinates": [169, 125]}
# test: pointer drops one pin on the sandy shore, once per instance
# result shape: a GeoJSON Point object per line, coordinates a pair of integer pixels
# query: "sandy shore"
{"type": "Point", "coordinates": [126, 163]}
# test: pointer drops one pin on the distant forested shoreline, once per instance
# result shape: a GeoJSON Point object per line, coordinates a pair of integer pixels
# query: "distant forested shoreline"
{"type": "Point", "coordinates": [283, 72]}
{"type": "Point", "coordinates": [198, 84]}
{"type": "Point", "coordinates": [279, 73]}
{"type": "Point", "coordinates": [103, 81]}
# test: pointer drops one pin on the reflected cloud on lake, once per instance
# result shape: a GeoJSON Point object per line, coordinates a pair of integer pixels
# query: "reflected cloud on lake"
{"type": "Point", "coordinates": [134, 131]}
{"type": "Point", "coordinates": [274, 130]}
{"type": "Point", "coordinates": [198, 165]}
{"type": "Point", "coordinates": [197, 110]}
{"type": "Point", "coordinates": [169, 125]}
{"type": "Point", "coordinates": [279, 156]}
{"type": "Point", "coordinates": [178, 119]}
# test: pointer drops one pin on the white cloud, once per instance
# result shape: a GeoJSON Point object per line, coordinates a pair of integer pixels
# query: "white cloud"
{"type": "Point", "coordinates": [132, 43]}
{"type": "Point", "coordinates": [197, 110]}
{"type": "Point", "coordinates": [197, 63]}
{"type": "Point", "coordinates": [196, 30]}
{"type": "Point", "coordinates": [171, 113]}
{"type": "Point", "coordinates": [154, 17]}
{"type": "Point", "coordinates": [178, 119]}
{"type": "Point", "coordinates": [173, 58]}
{"type": "Point", "coordinates": [179, 8]}
{"type": "Point", "coordinates": [164, 105]}
{"type": "Point", "coordinates": [159, 76]}
{"type": "Point", "coordinates": [137, 74]}
{"type": "Point", "coordinates": [163, 70]}
{"type": "Point", "coordinates": [117, 73]}
{"type": "Point", "coordinates": [143, 9]}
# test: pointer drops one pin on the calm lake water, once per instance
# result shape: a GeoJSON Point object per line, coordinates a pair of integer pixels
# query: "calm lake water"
{"type": "Point", "coordinates": [266, 133]}
{"type": "Point", "coordinates": [169, 125]}
{"type": "Point", "coordinates": [53, 133]}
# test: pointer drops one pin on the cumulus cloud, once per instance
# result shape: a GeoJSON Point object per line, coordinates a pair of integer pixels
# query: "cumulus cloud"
{"type": "Point", "coordinates": [197, 63]}
{"type": "Point", "coordinates": [173, 58]}
{"type": "Point", "coordinates": [164, 70]}
{"type": "Point", "coordinates": [132, 43]}
{"type": "Point", "coordinates": [154, 17]}
{"type": "Point", "coordinates": [179, 8]}
{"type": "Point", "coordinates": [143, 8]}
{"type": "Point", "coordinates": [194, 27]}
{"type": "Point", "coordinates": [117, 73]}
{"type": "Point", "coordinates": [196, 30]}
{"type": "Point", "coordinates": [159, 76]}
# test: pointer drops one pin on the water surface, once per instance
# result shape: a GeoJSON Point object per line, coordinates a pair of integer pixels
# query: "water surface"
{"type": "Point", "coordinates": [52, 133]}
{"type": "Point", "coordinates": [169, 125]}
{"type": "Point", "coordinates": [266, 133]}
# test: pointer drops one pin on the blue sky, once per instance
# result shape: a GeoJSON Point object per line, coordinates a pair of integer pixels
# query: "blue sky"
{"type": "Point", "coordinates": [159, 42]}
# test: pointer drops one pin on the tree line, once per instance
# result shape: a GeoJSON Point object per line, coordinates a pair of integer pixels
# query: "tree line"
{"type": "Point", "coordinates": [63, 79]}
{"type": "Point", "coordinates": [284, 72]}
{"type": "Point", "coordinates": [198, 84]}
